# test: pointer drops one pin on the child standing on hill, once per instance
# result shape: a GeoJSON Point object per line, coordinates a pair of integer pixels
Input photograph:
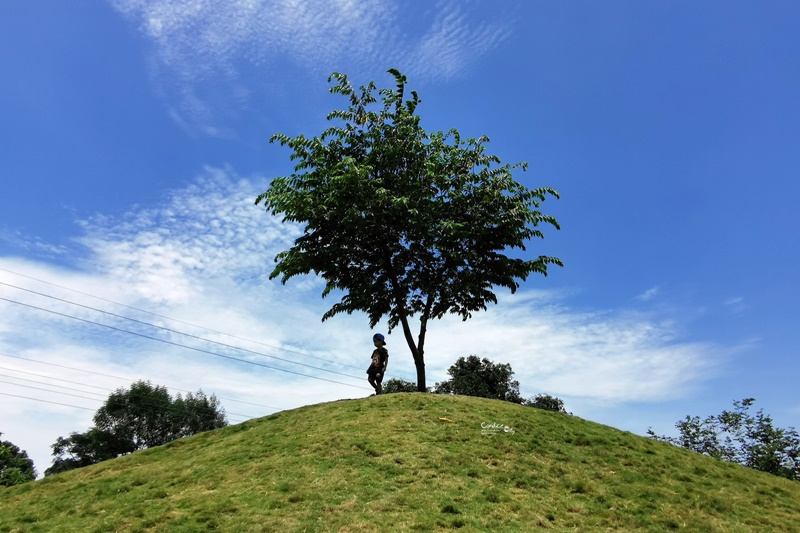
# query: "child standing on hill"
{"type": "Point", "coordinates": [380, 360]}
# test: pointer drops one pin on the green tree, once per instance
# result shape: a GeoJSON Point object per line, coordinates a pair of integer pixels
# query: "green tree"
{"type": "Point", "coordinates": [738, 436]}
{"type": "Point", "coordinates": [546, 402]}
{"type": "Point", "coordinates": [15, 465]}
{"type": "Point", "coordinates": [473, 376]}
{"type": "Point", "coordinates": [135, 419]}
{"type": "Point", "coordinates": [403, 222]}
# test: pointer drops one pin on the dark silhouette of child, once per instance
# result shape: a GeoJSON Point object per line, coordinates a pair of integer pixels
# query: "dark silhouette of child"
{"type": "Point", "coordinates": [380, 360]}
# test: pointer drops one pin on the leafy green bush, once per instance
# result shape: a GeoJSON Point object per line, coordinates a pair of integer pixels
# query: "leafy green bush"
{"type": "Point", "coordinates": [398, 385]}
{"type": "Point", "coordinates": [546, 402]}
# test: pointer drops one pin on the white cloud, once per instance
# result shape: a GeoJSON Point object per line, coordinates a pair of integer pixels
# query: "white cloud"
{"type": "Point", "coordinates": [614, 357]}
{"type": "Point", "coordinates": [202, 47]}
{"type": "Point", "coordinates": [203, 257]}
{"type": "Point", "coordinates": [649, 294]}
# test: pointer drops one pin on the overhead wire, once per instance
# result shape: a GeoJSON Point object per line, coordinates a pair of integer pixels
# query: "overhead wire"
{"type": "Point", "coordinates": [178, 321]}
{"type": "Point", "coordinates": [108, 392]}
{"type": "Point", "coordinates": [114, 377]}
{"type": "Point", "coordinates": [55, 392]}
{"type": "Point", "coordinates": [176, 331]}
{"type": "Point", "coordinates": [123, 379]}
{"type": "Point", "coordinates": [50, 377]}
{"type": "Point", "coordinates": [225, 412]}
{"type": "Point", "coordinates": [48, 384]}
{"type": "Point", "coordinates": [175, 319]}
{"type": "Point", "coordinates": [47, 401]}
{"type": "Point", "coordinates": [172, 343]}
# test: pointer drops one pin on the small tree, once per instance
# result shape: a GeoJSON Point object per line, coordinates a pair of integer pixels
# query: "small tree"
{"type": "Point", "coordinates": [404, 222]}
{"type": "Point", "coordinates": [15, 465]}
{"type": "Point", "coordinates": [135, 419]}
{"type": "Point", "coordinates": [546, 402]}
{"type": "Point", "coordinates": [740, 437]}
{"type": "Point", "coordinates": [475, 377]}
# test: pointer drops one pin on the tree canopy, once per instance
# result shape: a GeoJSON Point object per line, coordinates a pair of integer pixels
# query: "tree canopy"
{"type": "Point", "coordinates": [15, 465]}
{"type": "Point", "coordinates": [473, 376]}
{"type": "Point", "coordinates": [400, 221]}
{"type": "Point", "coordinates": [135, 419]}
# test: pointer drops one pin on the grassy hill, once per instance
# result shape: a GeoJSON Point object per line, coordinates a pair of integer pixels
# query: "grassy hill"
{"type": "Point", "coordinates": [391, 463]}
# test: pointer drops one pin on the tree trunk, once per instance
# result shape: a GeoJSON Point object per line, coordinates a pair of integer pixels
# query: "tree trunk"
{"type": "Point", "coordinates": [420, 375]}
{"type": "Point", "coordinates": [420, 361]}
{"type": "Point", "coordinates": [416, 352]}
{"type": "Point", "coordinates": [416, 349]}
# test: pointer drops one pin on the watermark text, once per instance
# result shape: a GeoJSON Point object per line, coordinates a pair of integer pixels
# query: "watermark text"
{"type": "Point", "coordinates": [492, 428]}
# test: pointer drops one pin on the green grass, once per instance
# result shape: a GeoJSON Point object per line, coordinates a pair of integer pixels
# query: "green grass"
{"type": "Point", "coordinates": [388, 463]}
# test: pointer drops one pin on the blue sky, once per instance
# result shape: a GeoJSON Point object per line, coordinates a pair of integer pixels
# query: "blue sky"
{"type": "Point", "coordinates": [133, 142]}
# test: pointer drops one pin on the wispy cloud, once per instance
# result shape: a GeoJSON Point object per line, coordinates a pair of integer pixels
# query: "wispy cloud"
{"type": "Point", "coordinates": [199, 44]}
{"type": "Point", "coordinates": [615, 356]}
{"type": "Point", "coordinates": [649, 294]}
{"type": "Point", "coordinates": [211, 229]}
{"type": "Point", "coordinates": [736, 305]}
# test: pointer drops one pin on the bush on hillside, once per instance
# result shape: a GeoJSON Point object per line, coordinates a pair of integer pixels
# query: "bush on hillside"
{"type": "Point", "coordinates": [546, 402]}
{"type": "Point", "coordinates": [398, 385]}
{"type": "Point", "coordinates": [472, 376]}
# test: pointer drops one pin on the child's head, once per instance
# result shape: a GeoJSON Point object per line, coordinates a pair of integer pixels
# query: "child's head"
{"type": "Point", "coordinates": [378, 340]}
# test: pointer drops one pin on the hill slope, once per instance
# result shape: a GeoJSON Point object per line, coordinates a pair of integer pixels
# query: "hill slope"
{"type": "Point", "coordinates": [389, 463]}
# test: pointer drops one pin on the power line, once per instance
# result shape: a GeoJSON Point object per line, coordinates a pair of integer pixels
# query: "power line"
{"type": "Point", "coordinates": [43, 383]}
{"type": "Point", "coordinates": [50, 377]}
{"type": "Point", "coordinates": [47, 401]}
{"type": "Point", "coordinates": [246, 417]}
{"type": "Point", "coordinates": [103, 388]}
{"type": "Point", "coordinates": [181, 322]}
{"type": "Point", "coordinates": [176, 320]}
{"type": "Point", "coordinates": [54, 392]}
{"type": "Point", "coordinates": [176, 331]}
{"type": "Point", "coordinates": [76, 390]}
{"type": "Point", "coordinates": [66, 367]}
{"type": "Point", "coordinates": [109, 376]}
{"type": "Point", "coordinates": [181, 345]}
